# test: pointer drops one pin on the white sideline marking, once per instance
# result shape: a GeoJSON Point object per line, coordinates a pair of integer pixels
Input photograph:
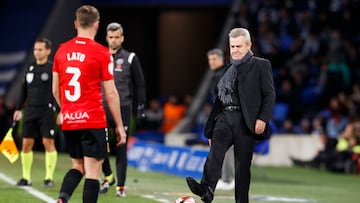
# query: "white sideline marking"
{"type": "Point", "coordinates": [28, 189]}
{"type": "Point", "coordinates": [152, 197]}
{"type": "Point", "coordinates": [281, 199]}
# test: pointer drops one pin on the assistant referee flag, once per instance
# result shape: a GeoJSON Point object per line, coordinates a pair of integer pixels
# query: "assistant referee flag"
{"type": "Point", "coordinates": [8, 147]}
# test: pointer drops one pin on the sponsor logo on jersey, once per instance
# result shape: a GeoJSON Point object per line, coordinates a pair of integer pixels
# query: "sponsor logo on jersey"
{"type": "Point", "coordinates": [76, 117]}
{"type": "Point", "coordinates": [79, 42]}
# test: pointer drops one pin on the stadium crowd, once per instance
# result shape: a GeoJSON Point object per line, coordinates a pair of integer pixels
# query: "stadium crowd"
{"type": "Point", "coordinates": [313, 46]}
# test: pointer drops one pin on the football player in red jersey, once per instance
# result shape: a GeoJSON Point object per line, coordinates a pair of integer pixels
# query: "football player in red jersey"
{"type": "Point", "coordinates": [81, 67]}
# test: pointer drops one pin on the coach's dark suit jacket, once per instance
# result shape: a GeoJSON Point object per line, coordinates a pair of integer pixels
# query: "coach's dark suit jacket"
{"type": "Point", "coordinates": [257, 95]}
{"type": "Point", "coordinates": [256, 91]}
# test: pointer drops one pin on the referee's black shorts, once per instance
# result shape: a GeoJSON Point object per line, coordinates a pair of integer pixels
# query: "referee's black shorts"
{"type": "Point", "coordinates": [86, 142]}
{"type": "Point", "coordinates": [39, 121]}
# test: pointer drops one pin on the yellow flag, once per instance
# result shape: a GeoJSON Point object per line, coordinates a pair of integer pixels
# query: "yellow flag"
{"type": "Point", "coordinates": [8, 147]}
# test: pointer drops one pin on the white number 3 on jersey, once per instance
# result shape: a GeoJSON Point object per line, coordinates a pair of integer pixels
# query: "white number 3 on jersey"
{"type": "Point", "coordinates": [75, 94]}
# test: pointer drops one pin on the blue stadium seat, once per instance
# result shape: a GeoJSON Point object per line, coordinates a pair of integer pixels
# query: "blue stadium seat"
{"type": "Point", "coordinates": [280, 111]}
{"type": "Point", "coordinates": [310, 95]}
{"type": "Point", "coordinates": [262, 147]}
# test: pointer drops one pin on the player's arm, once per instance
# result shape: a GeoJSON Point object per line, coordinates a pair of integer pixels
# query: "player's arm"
{"type": "Point", "coordinates": [56, 88]}
{"type": "Point", "coordinates": [113, 101]}
{"type": "Point", "coordinates": [139, 79]}
{"type": "Point", "coordinates": [20, 104]}
{"type": "Point", "coordinates": [139, 83]}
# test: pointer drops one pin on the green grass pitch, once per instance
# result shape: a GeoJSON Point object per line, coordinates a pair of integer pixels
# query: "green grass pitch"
{"type": "Point", "coordinates": [269, 184]}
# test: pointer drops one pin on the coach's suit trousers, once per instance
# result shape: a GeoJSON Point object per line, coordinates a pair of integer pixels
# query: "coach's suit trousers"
{"type": "Point", "coordinates": [230, 129]}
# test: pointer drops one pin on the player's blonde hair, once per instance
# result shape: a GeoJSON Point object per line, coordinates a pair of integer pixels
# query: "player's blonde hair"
{"type": "Point", "coordinates": [87, 15]}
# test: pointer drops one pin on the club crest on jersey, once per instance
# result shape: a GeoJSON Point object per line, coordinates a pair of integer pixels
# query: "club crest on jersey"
{"type": "Point", "coordinates": [76, 116]}
{"type": "Point", "coordinates": [118, 64]}
{"type": "Point", "coordinates": [29, 77]}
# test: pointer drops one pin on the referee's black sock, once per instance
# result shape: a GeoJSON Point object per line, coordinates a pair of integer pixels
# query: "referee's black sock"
{"type": "Point", "coordinates": [91, 190]}
{"type": "Point", "coordinates": [70, 182]}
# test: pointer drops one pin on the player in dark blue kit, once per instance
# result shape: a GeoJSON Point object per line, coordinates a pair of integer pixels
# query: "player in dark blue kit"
{"type": "Point", "coordinates": [39, 113]}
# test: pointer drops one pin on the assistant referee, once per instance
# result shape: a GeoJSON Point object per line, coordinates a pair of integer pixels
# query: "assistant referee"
{"type": "Point", "coordinates": [39, 113]}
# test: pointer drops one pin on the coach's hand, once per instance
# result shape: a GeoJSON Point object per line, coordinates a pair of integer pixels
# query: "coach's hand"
{"type": "Point", "coordinates": [120, 136]}
{"type": "Point", "coordinates": [259, 126]}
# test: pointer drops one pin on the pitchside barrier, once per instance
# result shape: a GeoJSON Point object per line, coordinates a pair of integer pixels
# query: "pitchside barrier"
{"type": "Point", "coordinates": [179, 161]}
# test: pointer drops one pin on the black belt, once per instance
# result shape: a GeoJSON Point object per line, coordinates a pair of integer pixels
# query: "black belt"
{"type": "Point", "coordinates": [232, 108]}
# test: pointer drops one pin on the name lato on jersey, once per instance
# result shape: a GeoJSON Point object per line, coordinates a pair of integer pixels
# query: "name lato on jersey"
{"type": "Point", "coordinates": [75, 56]}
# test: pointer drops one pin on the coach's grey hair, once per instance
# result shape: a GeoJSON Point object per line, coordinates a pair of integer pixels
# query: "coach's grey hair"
{"type": "Point", "coordinates": [216, 51]}
{"type": "Point", "coordinates": [240, 32]}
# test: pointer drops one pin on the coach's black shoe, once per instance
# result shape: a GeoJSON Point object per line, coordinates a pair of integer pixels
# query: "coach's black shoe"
{"type": "Point", "coordinates": [23, 182]}
{"type": "Point", "coordinates": [48, 183]}
{"type": "Point", "coordinates": [194, 186]}
{"type": "Point", "coordinates": [206, 194]}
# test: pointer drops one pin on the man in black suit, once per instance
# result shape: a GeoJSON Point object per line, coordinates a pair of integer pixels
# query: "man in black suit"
{"type": "Point", "coordinates": [241, 113]}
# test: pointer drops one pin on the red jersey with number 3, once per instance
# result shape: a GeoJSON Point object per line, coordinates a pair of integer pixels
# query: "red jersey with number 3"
{"type": "Point", "coordinates": [82, 65]}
